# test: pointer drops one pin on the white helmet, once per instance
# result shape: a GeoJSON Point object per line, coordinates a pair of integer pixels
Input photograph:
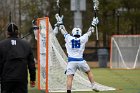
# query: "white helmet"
{"type": "Point", "coordinates": [76, 31]}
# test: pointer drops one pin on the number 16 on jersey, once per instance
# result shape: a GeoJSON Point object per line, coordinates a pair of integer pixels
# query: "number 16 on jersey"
{"type": "Point", "coordinates": [75, 43]}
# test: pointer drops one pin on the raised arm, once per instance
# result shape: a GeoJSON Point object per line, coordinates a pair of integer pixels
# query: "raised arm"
{"type": "Point", "coordinates": [94, 22]}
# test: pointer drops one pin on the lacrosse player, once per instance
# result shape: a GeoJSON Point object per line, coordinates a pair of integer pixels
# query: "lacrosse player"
{"type": "Point", "coordinates": [75, 46]}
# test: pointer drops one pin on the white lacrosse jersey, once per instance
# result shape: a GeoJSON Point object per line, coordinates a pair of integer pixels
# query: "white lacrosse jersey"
{"type": "Point", "coordinates": [75, 46]}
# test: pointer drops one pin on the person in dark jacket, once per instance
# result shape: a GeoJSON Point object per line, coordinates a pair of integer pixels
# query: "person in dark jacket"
{"type": "Point", "coordinates": [16, 58]}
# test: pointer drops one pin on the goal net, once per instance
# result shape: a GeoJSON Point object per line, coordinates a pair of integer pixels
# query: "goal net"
{"type": "Point", "coordinates": [125, 52]}
{"type": "Point", "coordinates": [52, 63]}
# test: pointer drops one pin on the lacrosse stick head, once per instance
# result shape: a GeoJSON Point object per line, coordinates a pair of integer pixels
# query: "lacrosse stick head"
{"type": "Point", "coordinates": [96, 4]}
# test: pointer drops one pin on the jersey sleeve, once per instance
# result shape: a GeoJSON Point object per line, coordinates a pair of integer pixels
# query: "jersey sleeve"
{"type": "Point", "coordinates": [67, 37]}
{"type": "Point", "coordinates": [84, 38]}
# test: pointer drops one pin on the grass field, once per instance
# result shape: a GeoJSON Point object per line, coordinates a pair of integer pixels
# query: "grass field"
{"type": "Point", "coordinates": [126, 80]}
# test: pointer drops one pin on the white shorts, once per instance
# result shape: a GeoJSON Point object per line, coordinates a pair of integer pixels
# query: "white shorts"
{"type": "Point", "coordinates": [80, 65]}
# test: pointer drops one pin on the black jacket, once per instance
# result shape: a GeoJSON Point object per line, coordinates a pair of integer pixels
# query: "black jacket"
{"type": "Point", "coordinates": [16, 57]}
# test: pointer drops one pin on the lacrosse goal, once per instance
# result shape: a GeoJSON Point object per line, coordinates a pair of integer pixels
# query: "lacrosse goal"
{"type": "Point", "coordinates": [125, 52]}
{"type": "Point", "coordinates": [52, 63]}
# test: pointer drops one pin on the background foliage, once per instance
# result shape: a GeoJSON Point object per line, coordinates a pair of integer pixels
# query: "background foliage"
{"type": "Point", "coordinates": [116, 16]}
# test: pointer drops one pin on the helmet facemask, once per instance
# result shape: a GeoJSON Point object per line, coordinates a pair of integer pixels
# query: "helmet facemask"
{"type": "Point", "coordinates": [76, 32]}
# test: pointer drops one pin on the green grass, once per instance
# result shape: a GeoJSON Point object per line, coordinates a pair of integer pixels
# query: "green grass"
{"type": "Point", "coordinates": [126, 80]}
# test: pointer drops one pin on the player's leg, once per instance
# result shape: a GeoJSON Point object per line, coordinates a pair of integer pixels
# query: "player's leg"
{"type": "Point", "coordinates": [69, 83]}
{"type": "Point", "coordinates": [90, 76]}
{"type": "Point", "coordinates": [85, 68]}
{"type": "Point", "coordinates": [71, 69]}
{"type": "Point", "coordinates": [91, 79]}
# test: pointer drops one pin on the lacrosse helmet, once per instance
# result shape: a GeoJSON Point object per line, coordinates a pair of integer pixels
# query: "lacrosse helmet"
{"type": "Point", "coordinates": [76, 31]}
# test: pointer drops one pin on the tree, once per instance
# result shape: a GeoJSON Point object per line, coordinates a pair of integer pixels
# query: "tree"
{"type": "Point", "coordinates": [23, 11]}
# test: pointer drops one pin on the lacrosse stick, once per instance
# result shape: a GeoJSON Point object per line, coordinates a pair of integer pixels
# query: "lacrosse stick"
{"type": "Point", "coordinates": [95, 7]}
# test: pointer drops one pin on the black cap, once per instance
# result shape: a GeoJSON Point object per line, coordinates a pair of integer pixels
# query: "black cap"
{"type": "Point", "coordinates": [12, 28]}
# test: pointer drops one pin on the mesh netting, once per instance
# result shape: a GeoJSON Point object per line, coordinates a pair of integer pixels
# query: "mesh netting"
{"type": "Point", "coordinates": [125, 51]}
{"type": "Point", "coordinates": [57, 61]}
